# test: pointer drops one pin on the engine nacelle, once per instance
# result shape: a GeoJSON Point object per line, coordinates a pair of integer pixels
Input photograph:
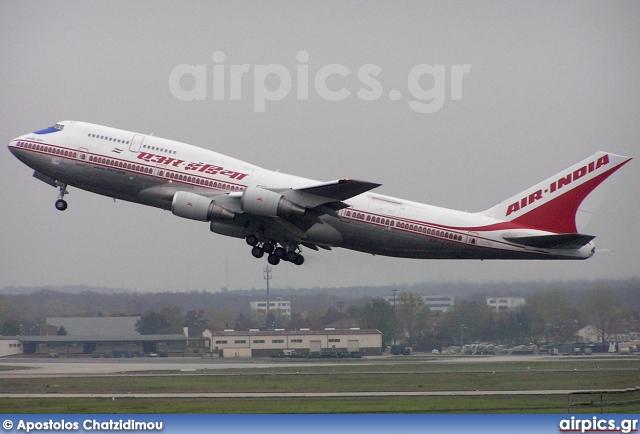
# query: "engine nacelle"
{"type": "Point", "coordinates": [196, 207]}
{"type": "Point", "coordinates": [267, 203]}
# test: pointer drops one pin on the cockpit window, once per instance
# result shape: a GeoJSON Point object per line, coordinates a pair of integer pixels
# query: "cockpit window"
{"type": "Point", "coordinates": [53, 129]}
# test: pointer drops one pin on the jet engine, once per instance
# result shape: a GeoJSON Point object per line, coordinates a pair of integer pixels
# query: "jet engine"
{"type": "Point", "coordinates": [196, 207]}
{"type": "Point", "coordinates": [267, 203]}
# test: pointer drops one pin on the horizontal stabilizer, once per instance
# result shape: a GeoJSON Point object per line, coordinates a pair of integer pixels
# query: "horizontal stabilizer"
{"type": "Point", "coordinates": [560, 241]}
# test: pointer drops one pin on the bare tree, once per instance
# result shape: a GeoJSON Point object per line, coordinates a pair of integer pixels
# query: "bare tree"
{"type": "Point", "coordinates": [413, 314]}
{"type": "Point", "coordinates": [601, 309]}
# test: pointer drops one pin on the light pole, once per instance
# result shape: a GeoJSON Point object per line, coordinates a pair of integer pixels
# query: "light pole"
{"type": "Point", "coordinates": [267, 277]}
{"type": "Point", "coordinates": [520, 334]}
{"type": "Point", "coordinates": [394, 314]}
{"type": "Point", "coordinates": [462, 327]}
{"type": "Point", "coordinates": [340, 304]}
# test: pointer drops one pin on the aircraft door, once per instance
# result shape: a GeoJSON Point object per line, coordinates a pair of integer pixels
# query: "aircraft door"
{"type": "Point", "coordinates": [136, 142]}
{"type": "Point", "coordinates": [472, 240]}
{"type": "Point", "coordinates": [159, 173]}
{"type": "Point", "coordinates": [82, 156]}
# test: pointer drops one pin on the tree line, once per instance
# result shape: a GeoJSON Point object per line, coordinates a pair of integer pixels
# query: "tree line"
{"type": "Point", "coordinates": [553, 315]}
{"type": "Point", "coordinates": [550, 317]}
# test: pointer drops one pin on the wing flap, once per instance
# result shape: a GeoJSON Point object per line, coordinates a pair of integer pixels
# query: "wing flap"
{"type": "Point", "coordinates": [559, 241]}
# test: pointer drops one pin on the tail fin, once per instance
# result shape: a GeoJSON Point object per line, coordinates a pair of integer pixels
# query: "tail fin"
{"type": "Point", "coordinates": [558, 204]}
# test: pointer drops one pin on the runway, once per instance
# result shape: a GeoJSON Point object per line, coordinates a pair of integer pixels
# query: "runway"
{"type": "Point", "coordinates": [258, 395]}
{"type": "Point", "coordinates": [25, 367]}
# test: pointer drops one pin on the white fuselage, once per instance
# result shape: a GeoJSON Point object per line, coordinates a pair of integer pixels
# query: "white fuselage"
{"type": "Point", "coordinates": [148, 170]}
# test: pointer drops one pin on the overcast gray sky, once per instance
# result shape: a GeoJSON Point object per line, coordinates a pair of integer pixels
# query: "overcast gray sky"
{"type": "Point", "coordinates": [549, 84]}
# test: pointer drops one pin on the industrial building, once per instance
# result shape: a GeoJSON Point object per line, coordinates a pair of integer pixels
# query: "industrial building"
{"type": "Point", "coordinates": [256, 343]}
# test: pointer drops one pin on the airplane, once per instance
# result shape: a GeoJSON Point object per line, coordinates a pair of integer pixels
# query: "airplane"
{"type": "Point", "coordinates": [278, 214]}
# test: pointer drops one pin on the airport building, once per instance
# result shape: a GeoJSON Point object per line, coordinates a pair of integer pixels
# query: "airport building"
{"type": "Point", "coordinates": [10, 346]}
{"type": "Point", "coordinates": [101, 337]}
{"type": "Point", "coordinates": [93, 326]}
{"type": "Point", "coordinates": [256, 343]}
{"type": "Point", "coordinates": [436, 303]}
{"type": "Point", "coordinates": [279, 304]}
{"type": "Point", "coordinates": [113, 346]}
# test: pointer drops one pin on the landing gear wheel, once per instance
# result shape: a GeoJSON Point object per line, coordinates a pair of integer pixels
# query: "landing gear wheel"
{"type": "Point", "coordinates": [280, 252]}
{"type": "Point", "coordinates": [291, 256]}
{"type": "Point", "coordinates": [257, 252]}
{"type": "Point", "coordinates": [268, 248]}
{"type": "Point", "coordinates": [252, 240]}
{"type": "Point", "coordinates": [273, 259]}
{"type": "Point", "coordinates": [299, 259]}
{"type": "Point", "coordinates": [61, 204]}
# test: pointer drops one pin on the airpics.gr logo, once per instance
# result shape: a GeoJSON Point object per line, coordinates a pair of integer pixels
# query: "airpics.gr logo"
{"type": "Point", "coordinates": [595, 424]}
{"type": "Point", "coordinates": [426, 83]}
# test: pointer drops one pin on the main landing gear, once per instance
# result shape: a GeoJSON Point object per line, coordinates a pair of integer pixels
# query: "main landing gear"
{"type": "Point", "coordinates": [275, 253]}
{"type": "Point", "coordinates": [61, 204]}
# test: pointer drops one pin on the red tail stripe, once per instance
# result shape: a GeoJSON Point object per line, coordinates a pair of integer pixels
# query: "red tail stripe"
{"type": "Point", "coordinates": [559, 214]}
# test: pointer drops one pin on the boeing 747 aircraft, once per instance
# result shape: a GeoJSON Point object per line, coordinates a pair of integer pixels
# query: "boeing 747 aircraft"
{"type": "Point", "coordinates": [277, 213]}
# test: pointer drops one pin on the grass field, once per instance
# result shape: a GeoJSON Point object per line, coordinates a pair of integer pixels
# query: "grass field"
{"type": "Point", "coordinates": [579, 374]}
{"type": "Point", "coordinates": [509, 404]}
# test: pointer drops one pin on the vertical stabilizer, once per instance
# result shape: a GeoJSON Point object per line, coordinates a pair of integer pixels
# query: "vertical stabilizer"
{"type": "Point", "coordinates": [563, 203]}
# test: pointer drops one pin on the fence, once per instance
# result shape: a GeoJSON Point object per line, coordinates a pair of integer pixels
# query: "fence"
{"type": "Point", "coordinates": [604, 402]}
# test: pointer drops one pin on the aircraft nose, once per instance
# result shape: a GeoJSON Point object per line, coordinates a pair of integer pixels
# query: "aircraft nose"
{"type": "Point", "coordinates": [13, 146]}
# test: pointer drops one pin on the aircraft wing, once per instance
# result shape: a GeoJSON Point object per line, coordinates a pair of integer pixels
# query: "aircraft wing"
{"type": "Point", "coordinates": [317, 199]}
{"type": "Point", "coordinates": [559, 241]}
{"type": "Point", "coordinates": [306, 205]}
{"type": "Point", "coordinates": [311, 197]}
{"type": "Point", "coordinates": [328, 193]}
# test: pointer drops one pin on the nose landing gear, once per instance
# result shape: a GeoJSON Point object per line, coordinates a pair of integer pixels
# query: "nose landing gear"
{"type": "Point", "coordinates": [61, 204]}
